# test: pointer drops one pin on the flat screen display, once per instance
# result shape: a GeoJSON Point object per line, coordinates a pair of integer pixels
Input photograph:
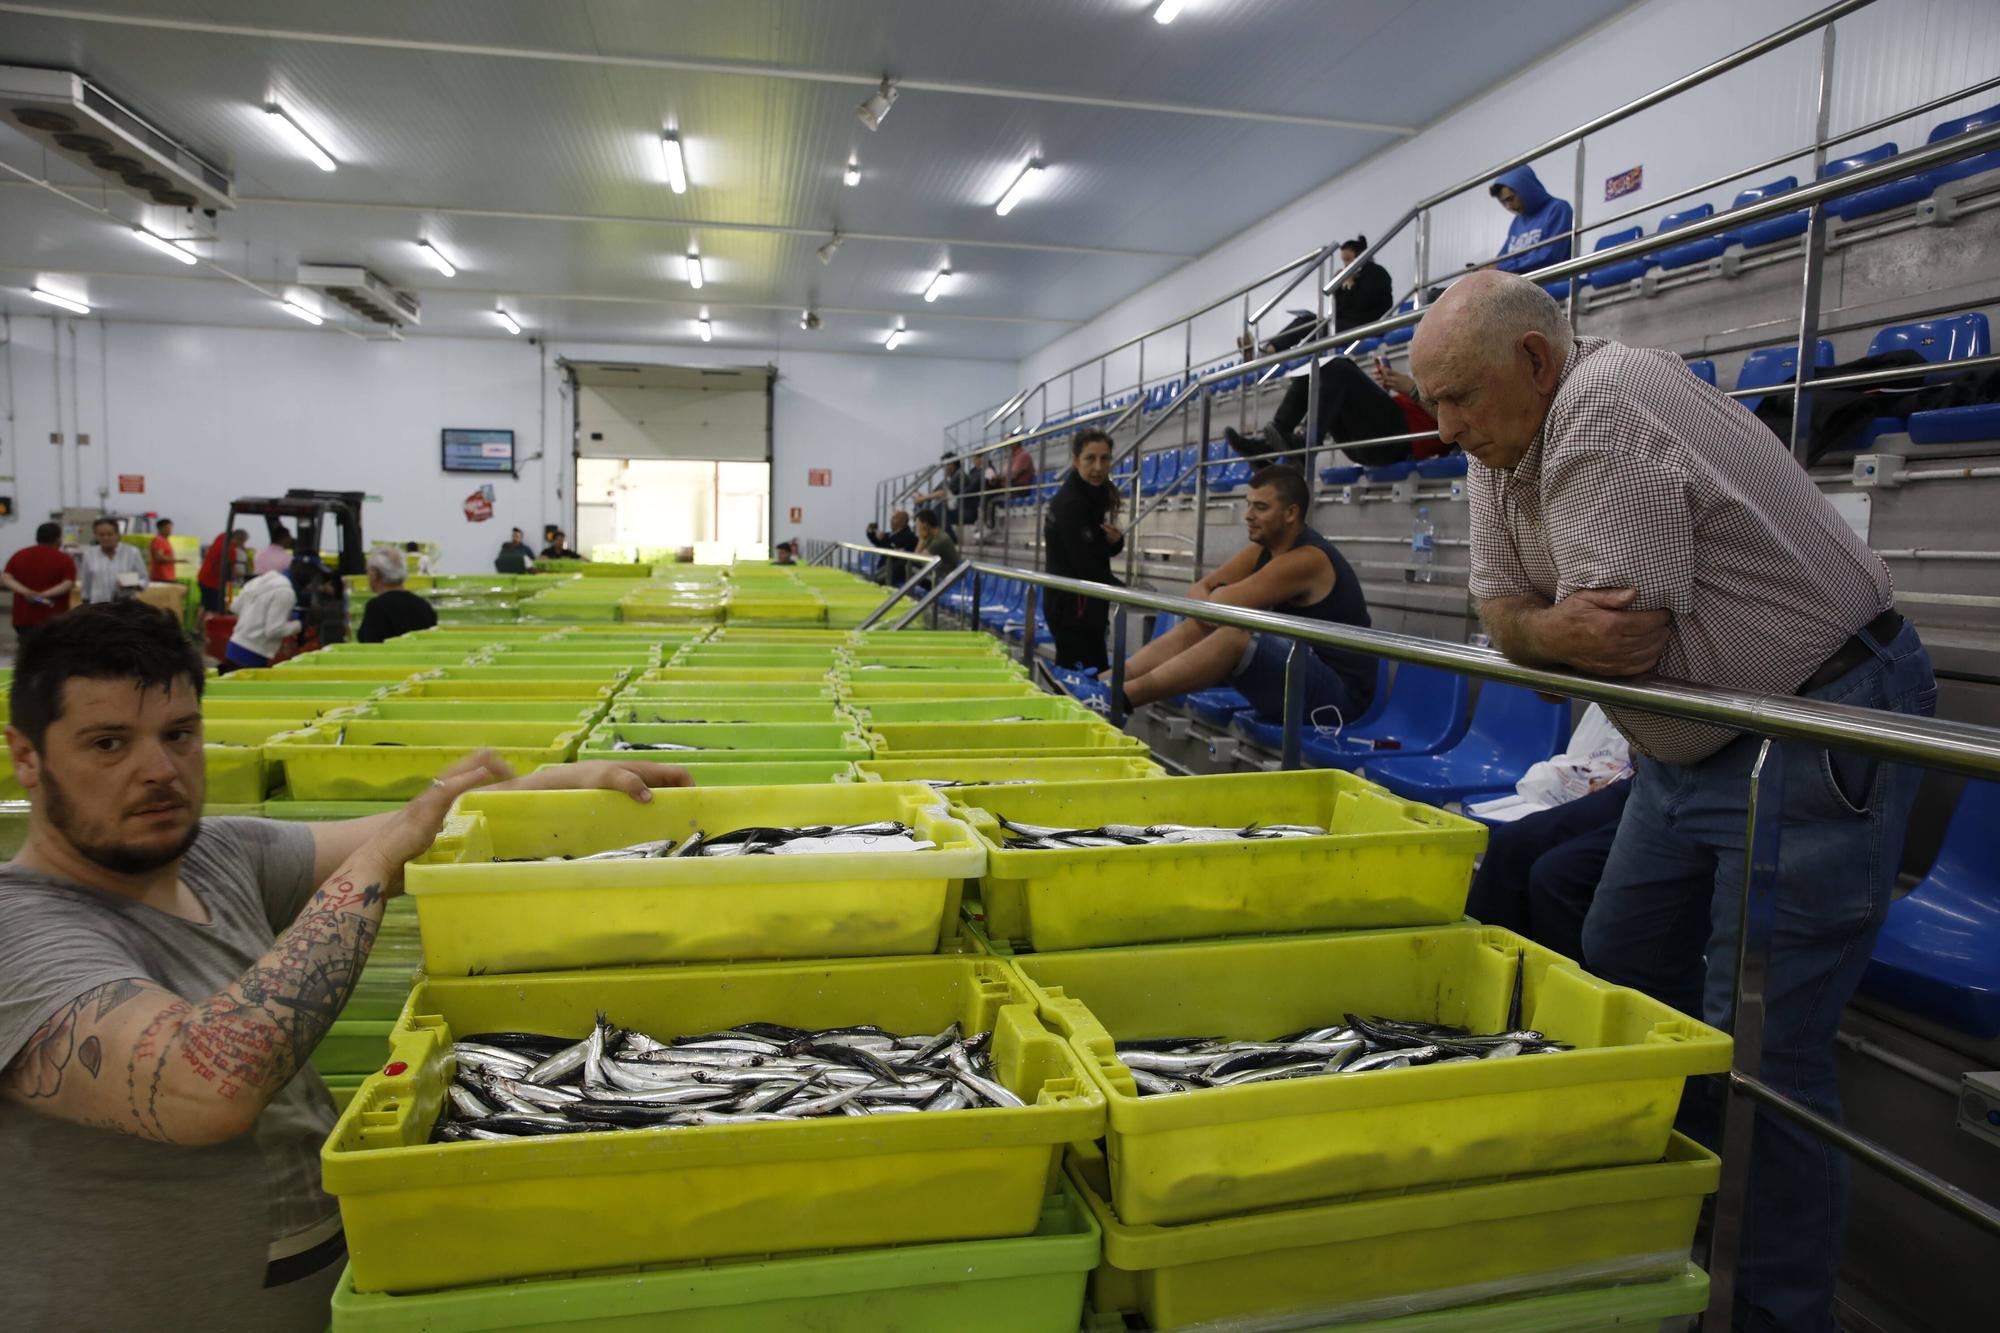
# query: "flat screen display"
{"type": "Point", "coordinates": [478, 450]}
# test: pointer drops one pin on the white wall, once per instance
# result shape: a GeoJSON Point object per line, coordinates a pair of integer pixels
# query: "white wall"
{"type": "Point", "coordinates": [1890, 55]}
{"type": "Point", "coordinates": [207, 414]}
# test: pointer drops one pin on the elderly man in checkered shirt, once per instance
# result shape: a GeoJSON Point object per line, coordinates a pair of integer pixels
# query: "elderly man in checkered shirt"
{"type": "Point", "coordinates": [1629, 518]}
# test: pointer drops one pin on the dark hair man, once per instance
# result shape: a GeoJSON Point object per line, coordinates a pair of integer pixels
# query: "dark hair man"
{"type": "Point", "coordinates": [163, 979]}
{"type": "Point", "coordinates": [1080, 537]}
{"type": "Point", "coordinates": [1286, 567]}
{"type": "Point", "coordinates": [40, 577]}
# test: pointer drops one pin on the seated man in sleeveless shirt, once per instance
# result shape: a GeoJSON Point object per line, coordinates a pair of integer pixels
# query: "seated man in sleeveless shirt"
{"type": "Point", "coordinates": [1288, 568]}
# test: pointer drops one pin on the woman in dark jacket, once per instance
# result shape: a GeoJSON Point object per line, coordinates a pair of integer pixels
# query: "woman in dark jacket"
{"type": "Point", "coordinates": [1080, 539]}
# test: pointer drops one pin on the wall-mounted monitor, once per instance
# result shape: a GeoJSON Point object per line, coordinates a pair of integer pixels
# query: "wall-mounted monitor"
{"type": "Point", "coordinates": [478, 450]}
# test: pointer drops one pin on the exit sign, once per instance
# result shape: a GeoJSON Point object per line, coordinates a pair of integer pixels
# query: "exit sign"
{"type": "Point", "coordinates": [819, 476]}
{"type": "Point", "coordinates": [131, 483]}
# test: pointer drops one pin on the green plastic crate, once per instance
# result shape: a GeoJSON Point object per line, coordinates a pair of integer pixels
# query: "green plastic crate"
{"type": "Point", "coordinates": [1010, 768]}
{"type": "Point", "coordinates": [776, 691]}
{"type": "Point", "coordinates": [282, 807]}
{"type": "Point", "coordinates": [297, 712]}
{"type": "Point", "coordinates": [1416, 1254]}
{"type": "Point", "coordinates": [762, 773]}
{"type": "Point", "coordinates": [235, 761]}
{"type": "Point", "coordinates": [728, 742]}
{"type": "Point", "coordinates": [936, 687]}
{"type": "Point", "coordinates": [578, 712]}
{"type": "Point", "coordinates": [1025, 1284]}
{"type": "Point", "coordinates": [1031, 708]}
{"type": "Point", "coordinates": [368, 760]}
{"type": "Point", "coordinates": [548, 688]}
{"type": "Point", "coordinates": [941, 740]}
{"type": "Point", "coordinates": [975, 672]}
{"type": "Point", "coordinates": [726, 710]}
{"type": "Point", "coordinates": [1213, 1152]}
{"type": "Point", "coordinates": [678, 675]}
{"type": "Point", "coordinates": [353, 1046]}
{"type": "Point", "coordinates": [230, 687]}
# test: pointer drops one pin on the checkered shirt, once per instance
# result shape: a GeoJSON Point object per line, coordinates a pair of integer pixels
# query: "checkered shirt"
{"type": "Point", "coordinates": [1645, 477]}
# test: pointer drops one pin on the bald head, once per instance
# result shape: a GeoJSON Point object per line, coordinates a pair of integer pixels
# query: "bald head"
{"type": "Point", "coordinates": [1488, 358]}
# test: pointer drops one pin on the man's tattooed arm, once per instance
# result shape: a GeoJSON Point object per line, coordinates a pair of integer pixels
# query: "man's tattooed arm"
{"type": "Point", "coordinates": [133, 1056]}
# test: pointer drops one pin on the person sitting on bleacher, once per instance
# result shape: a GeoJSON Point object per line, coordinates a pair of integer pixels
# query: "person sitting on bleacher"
{"type": "Point", "coordinates": [1286, 567]}
{"type": "Point", "coordinates": [1539, 234]}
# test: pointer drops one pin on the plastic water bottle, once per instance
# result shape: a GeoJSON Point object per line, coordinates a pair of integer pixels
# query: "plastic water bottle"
{"type": "Point", "coordinates": [1423, 547]}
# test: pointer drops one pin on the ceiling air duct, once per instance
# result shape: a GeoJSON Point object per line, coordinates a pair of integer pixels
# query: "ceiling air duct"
{"type": "Point", "coordinates": [362, 292]}
{"type": "Point", "coordinates": [79, 120]}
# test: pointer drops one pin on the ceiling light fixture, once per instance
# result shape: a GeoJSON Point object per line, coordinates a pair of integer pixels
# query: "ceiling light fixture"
{"type": "Point", "coordinates": [895, 338]}
{"type": "Point", "coordinates": [1167, 11]}
{"type": "Point", "coordinates": [297, 311]}
{"type": "Point", "coordinates": [852, 176]}
{"type": "Point", "coordinates": [938, 281]}
{"type": "Point", "coordinates": [435, 258]}
{"type": "Point", "coordinates": [677, 172]}
{"type": "Point", "coordinates": [507, 321]}
{"type": "Point", "coordinates": [1019, 187]}
{"type": "Point", "coordinates": [166, 247]}
{"type": "Point", "coordinates": [808, 320]}
{"type": "Point", "coordinates": [875, 107]}
{"type": "Point", "coordinates": [304, 143]}
{"type": "Point", "coordinates": [70, 304]}
{"type": "Point", "coordinates": [695, 276]}
{"type": "Point", "coordinates": [702, 325]}
{"type": "Point", "coordinates": [827, 251]}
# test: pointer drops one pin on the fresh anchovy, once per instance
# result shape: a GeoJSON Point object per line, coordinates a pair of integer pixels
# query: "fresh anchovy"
{"type": "Point", "coordinates": [1036, 837]}
{"type": "Point", "coordinates": [663, 745]}
{"type": "Point", "coordinates": [879, 836]}
{"type": "Point", "coordinates": [568, 1059]}
{"type": "Point", "coordinates": [1165, 1065]}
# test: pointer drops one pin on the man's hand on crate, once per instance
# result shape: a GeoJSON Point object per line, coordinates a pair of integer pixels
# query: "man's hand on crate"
{"type": "Point", "coordinates": [636, 779]}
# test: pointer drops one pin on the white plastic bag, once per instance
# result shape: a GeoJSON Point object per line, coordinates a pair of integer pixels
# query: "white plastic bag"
{"type": "Point", "coordinates": [1598, 754]}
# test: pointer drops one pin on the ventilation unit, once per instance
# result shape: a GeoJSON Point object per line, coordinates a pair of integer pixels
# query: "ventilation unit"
{"type": "Point", "coordinates": [362, 292]}
{"type": "Point", "coordinates": [82, 122]}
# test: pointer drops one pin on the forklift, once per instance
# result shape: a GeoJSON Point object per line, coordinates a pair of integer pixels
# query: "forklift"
{"type": "Point", "coordinates": [308, 515]}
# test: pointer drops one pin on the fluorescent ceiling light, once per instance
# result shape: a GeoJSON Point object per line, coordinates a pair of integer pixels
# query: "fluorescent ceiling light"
{"type": "Point", "coordinates": [1018, 188]}
{"type": "Point", "coordinates": [895, 337]}
{"type": "Point", "coordinates": [304, 143]}
{"type": "Point", "coordinates": [702, 326]}
{"type": "Point", "coordinates": [435, 258]}
{"type": "Point", "coordinates": [163, 245]}
{"type": "Point", "coordinates": [938, 281]}
{"type": "Point", "coordinates": [695, 275]}
{"type": "Point", "coordinates": [852, 176]}
{"type": "Point", "coordinates": [1167, 11]}
{"type": "Point", "coordinates": [677, 172]}
{"type": "Point", "coordinates": [297, 311]}
{"type": "Point", "coordinates": [507, 321]}
{"type": "Point", "coordinates": [75, 307]}
{"type": "Point", "coordinates": [875, 106]}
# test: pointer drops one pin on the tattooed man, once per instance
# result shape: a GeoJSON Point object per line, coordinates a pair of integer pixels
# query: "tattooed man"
{"type": "Point", "coordinates": [163, 979]}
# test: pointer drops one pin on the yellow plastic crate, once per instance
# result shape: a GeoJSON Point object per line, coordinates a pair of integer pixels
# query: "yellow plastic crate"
{"type": "Point", "coordinates": [786, 691]}
{"type": "Point", "coordinates": [337, 691]}
{"type": "Point", "coordinates": [561, 688]}
{"type": "Point", "coordinates": [420, 1216]}
{"type": "Point", "coordinates": [483, 910]}
{"type": "Point", "coordinates": [975, 672]}
{"type": "Point", "coordinates": [305, 673]}
{"type": "Point", "coordinates": [1010, 768]}
{"type": "Point", "coordinates": [943, 740]}
{"type": "Point", "coordinates": [358, 768]}
{"type": "Point", "coordinates": [580, 676]}
{"type": "Point", "coordinates": [297, 712]}
{"type": "Point", "coordinates": [1385, 861]}
{"type": "Point", "coordinates": [727, 710]}
{"type": "Point", "coordinates": [577, 712]}
{"type": "Point", "coordinates": [1217, 1151]}
{"type": "Point", "coordinates": [941, 687]}
{"type": "Point", "coordinates": [769, 773]}
{"type": "Point", "coordinates": [237, 768]}
{"type": "Point", "coordinates": [1421, 1249]}
{"type": "Point", "coordinates": [1027, 708]}
{"type": "Point", "coordinates": [728, 742]}
{"type": "Point", "coordinates": [733, 674]}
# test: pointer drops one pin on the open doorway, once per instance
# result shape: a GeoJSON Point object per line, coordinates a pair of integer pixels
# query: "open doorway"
{"type": "Point", "coordinates": [672, 457]}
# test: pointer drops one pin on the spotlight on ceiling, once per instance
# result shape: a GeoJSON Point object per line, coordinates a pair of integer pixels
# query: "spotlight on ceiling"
{"type": "Point", "coordinates": [695, 275]}
{"type": "Point", "coordinates": [702, 326]}
{"type": "Point", "coordinates": [832, 247]}
{"type": "Point", "coordinates": [1019, 187]}
{"type": "Point", "coordinates": [166, 247]}
{"type": "Point", "coordinates": [70, 304]}
{"type": "Point", "coordinates": [302, 143]}
{"type": "Point", "coordinates": [852, 176]}
{"type": "Point", "coordinates": [875, 107]}
{"type": "Point", "coordinates": [435, 258]}
{"type": "Point", "coordinates": [297, 311]}
{"type": "Point", "coordinates": [506, 321]}
{"type": "Point", "coordinates": [808, 320]}
{"type": "Point", "coordinates": [894, 339]}
{"type": "Point", "coordinates": [677, 172]}
{"type": "Point", "coordinates": [1167, 11]}
{"type": "Point", "coordinates": [937, 284]}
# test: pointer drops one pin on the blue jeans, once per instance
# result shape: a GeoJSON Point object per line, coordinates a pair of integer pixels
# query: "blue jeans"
{"type": "Point", "coordinates": [1665, 921]}
{"type": "Point", "coordinates": [1541, 871]}
{"type": "Point", "coordinates": [1260, 678]}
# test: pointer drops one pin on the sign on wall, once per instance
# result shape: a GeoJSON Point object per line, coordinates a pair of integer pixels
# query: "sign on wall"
{"type": "Point", "coordinates": [479, 505]}
{"type": "Point", "coordinates": [131, 483]}
{"type": "Point", "coordinates": [1624, 182]}
{"type": "Point", "coordinates": [798, 514]}
{"type": "Point", "coordinates": [819, 476]}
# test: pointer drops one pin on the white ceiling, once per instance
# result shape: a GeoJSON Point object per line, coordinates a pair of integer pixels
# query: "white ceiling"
{"type": "Point", "coordinates": [521, 137]}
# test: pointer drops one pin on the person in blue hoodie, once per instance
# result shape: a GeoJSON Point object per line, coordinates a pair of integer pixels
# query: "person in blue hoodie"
{"type": "Point", "coordinates": [1539, 235]}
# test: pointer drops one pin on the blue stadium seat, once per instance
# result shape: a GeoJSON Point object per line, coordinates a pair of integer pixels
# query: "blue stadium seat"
{"type": "Point", "coordinates": [1619, 273]}
{"type": "Point", "coordinates": [1422, 712]}
{"type": "Point", "coordinates": [1896, 194]}
{"type": "Point", "coordinates": [1776, 365]}
{"type": "Point", "coordinates": [1938, 955]}
{"type": "Point", "coordinates": [1450, 465]}
{"type": "Point", "coordinates": [1217, 706]}
{"type": "Point", "coordinates": [1391, 471]}
{"type": "Point", "coordinates": [1787, 225]}
{"type": "Point", "coordinates": [1345, 475]}
{"type": "Point", "coordinates": [1149, 475]}
{"type": "Point", "coordinates": [1703, 370]}
{"type": "Point", "coordinates": [1270, 732]}
{"type": "Point", "coordinates": [1956, 425]}
{"type": "Point", "coordinates": [1232, 476]}
{"type": "Point", "coordinates": [1690, 252]}
{"type": "Point", "coordinates": [1397, 337]}
{"type": "Point", "coordinates": [1189, 456]}
{"type": "Point", "coordinates": [1756, 194]}
{"type": "Point", "coordinates": [1004, 600]}
{"type": "Point", "coordinates": [1512, 728]}
{"type": "Point", "coordinates": [1558, 289]}
{"type": "Point", "coordinates": [1363, 347]}
{"type": "Point", "coordinates": [1952, 338]}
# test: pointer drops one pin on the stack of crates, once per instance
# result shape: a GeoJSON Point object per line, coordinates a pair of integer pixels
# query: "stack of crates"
{"type": "Point", "coordinates": [917, 1221]}
{"type": "Point", "coordinates": [1470, 1190]}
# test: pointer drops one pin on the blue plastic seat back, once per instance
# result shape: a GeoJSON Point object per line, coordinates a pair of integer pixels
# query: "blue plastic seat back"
{"type": "Point", "coordinates": [1775, 365]}
{"type": "Point", "coordinates": [1766, 230]}
{"type": "Point", "coordinates": [1396, 337]}
{"type": "Point", "coordinates": [1693, 252]}
{"type": "Point", "coordinates": [1612, 275]}
{"type": "Point", "coordinates": [1423, 710]}
{"type": "Point", "coordinates": [1149, 475]}
{"type": "Point", "coordinates": [1185, 469]}
{"type": "Point", "coordinates": [1965, 166]}
{"type": "Point", "coordinates": [1970, 424]}
{"type": "Point", "coordinates": [1703, 370]}
{"type": "Point", "coordinates": [1952, 338]}
{"type": "Point", "coordinates": [1938, 955]}
{"type": "Point", "coordinates": [1854, 205]}
{"type": "Point", "coordinates": [1342, 475]}
{"type": "Point", "coordinates": [1512, 729]}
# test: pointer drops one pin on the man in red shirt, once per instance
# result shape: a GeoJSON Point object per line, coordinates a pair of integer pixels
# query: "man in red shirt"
{"type": "Point", "coordinates": [40, 577]}
{"type": "Point", "coordinates": [161, 551]}
{"type": "Point", "coordinates": [213, 575]}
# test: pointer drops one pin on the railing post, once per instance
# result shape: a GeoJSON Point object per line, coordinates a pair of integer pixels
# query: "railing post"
{"type": "Point", "coordinates": [1815, 256]}
{"type": "Point", "coordinates": [1423, 256]}
{"type": "Point", "coordinates": [1030, 603]}
{"type": "Point", "coordinates": [974, 610]}
{"type": "Point", "coordinates": [1201, 484]}
{"type": "Point", "coordinates": [1312, 423]}
{"type": "Point", "coordinates": [1295, 705]}
{"type": "Point", "coordinates": [1116, 712]}
{"type": "Point", "coordinates": [1755, 914]}
{"type": "Point", "coordinates": [1575, 238]}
